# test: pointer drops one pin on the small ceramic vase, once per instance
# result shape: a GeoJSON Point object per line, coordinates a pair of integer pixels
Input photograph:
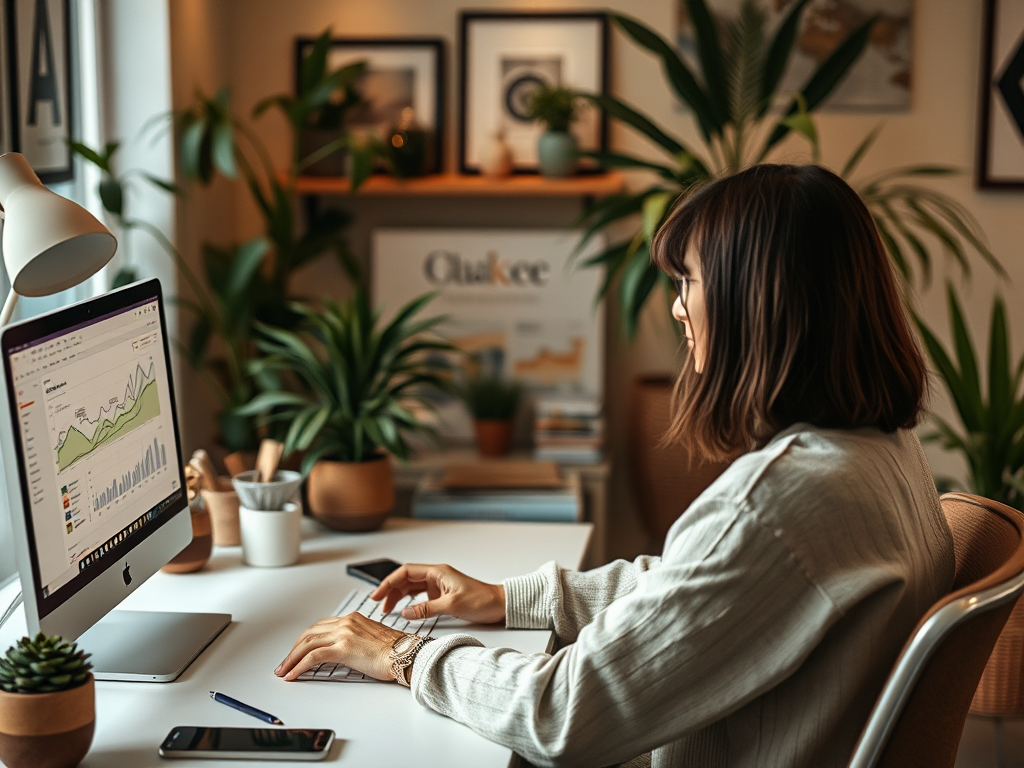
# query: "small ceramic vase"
{"type": "Point", "coordinates": [408, 147]}
{"type": "Point", "coordinates": [496, 158]}
{"type": "Point", "coordinates": [194, 556]}
{"type": "Point", "coordinates": [223, 508]}
{"type": "Point", "coordinates": [557, 154]}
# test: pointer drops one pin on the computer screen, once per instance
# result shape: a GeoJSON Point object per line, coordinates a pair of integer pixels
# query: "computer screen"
{"type": "Point", "coordinates": [90, 397]}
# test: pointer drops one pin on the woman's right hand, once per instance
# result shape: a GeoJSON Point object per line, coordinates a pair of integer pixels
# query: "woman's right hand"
{"type": "Point", "coordinates": [448, 591]}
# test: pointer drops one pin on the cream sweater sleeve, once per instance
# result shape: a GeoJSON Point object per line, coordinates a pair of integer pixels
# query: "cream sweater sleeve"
{"type": "Point", "coordinates": [725, 616]}
{"type": "Point", "coordinates": [557, 598]}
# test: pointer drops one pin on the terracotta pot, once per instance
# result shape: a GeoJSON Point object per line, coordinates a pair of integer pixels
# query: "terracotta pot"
{"type": "Point", "coordinates": [665, 480]}
{"type": "Point", "coordinates": [47, 730]}
{"type": "Point", "coordinates": [223, 508]}
{"type": "Point", "coordinates": [194, 556]}
{"type": "Point", "coordinates": [351, 496]}
{"type": "Point", "coordinates": [493, 436]}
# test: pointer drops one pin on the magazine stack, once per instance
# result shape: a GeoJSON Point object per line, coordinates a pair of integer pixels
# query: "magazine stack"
{"type": "Point", "coordinates": [568, 431]}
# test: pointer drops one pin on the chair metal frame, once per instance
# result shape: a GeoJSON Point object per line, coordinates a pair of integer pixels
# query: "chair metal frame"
{"type": "Point", "coordinates": [914, 658]}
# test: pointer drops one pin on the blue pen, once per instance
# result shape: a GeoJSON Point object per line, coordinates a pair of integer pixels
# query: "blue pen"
{"type": "Point", "coordinates": [236, 704]}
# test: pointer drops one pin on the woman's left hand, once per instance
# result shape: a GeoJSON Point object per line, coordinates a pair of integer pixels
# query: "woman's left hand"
{"type": "Point", "coordinates": [352, 640]}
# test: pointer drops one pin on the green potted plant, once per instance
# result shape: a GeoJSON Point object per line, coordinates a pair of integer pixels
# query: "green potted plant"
{"type": "Point", "coordinates": [557, 150]}
{"type": "Point", "coordinates": [990, 437]}
{"type": "Point", "coordinates": [319, 110]}
{"type": "Point", "coordinates": [47, 704]}
{"type": "Point", "coordinates": [349, 391]}
{"type": "Point", "coordinates": [730, 91]}
{"type": "Point", "coordinates": [240, 283]}
{"type": "Point", "coordinates": [493, 403]}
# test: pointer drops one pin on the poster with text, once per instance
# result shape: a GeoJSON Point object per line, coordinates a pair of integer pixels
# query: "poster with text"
{"type": "Point", "coordinates": [517, 305]}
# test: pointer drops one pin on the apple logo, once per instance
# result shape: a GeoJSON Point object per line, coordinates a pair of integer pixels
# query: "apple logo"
{"type": "Point", "coordinates": [126, 575]}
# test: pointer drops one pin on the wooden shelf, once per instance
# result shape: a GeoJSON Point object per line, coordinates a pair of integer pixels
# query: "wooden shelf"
{"type": "Point", "coordinates": [459, 185]}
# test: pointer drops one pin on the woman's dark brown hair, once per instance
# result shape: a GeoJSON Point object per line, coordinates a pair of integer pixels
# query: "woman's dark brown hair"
{"type": "Point", "coordinates": [805, 322]}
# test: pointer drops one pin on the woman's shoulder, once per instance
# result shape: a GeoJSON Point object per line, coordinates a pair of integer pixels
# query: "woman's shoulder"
{"type": "Point", "coordinates": [807, 475]}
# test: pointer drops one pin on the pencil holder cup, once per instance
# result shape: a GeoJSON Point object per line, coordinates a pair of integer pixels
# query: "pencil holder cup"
{"type": "Point", "coordinates": [273, 495]}
{"type": "Point", "coordinates": [222, 505]}
{"type": "Point", "coordinates": [270, 538]}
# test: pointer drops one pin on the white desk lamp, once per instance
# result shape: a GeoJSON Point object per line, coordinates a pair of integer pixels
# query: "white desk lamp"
{"type": "Point", "coordinates": [50, 244]}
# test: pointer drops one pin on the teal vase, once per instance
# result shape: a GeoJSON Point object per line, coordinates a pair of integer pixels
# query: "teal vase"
{"type": "Point", "coordinates": [557, 154]}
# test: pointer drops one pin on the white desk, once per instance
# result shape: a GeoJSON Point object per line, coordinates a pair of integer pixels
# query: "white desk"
{"type": "Point", "coordinates": [376, 724]}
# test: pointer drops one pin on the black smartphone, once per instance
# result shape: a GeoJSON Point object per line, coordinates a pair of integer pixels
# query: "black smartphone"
{"type": "Point", "coordinates": [373, 571]}
{"type": "Point", "coordinates": [188, 741]}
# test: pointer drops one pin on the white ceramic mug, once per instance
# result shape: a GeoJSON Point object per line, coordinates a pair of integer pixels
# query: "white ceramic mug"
{"type": "Point", "coordinates": [271, 538]}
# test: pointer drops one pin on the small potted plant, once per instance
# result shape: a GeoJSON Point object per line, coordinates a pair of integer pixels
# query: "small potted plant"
{"type": "Point", "coordinates": [325, 100]}
{"type": "Point", "coordinates": [358, 388]}
{"type": "Point", "coordinates": [557, 151]}
{"type": "Point", "coordinates": [493, 403]}
{"type": "Point", "coordinates": [47, 704]}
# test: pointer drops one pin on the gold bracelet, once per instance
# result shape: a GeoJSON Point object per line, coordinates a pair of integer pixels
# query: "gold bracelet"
{"type": "Point", "coordinates": [403, 653]}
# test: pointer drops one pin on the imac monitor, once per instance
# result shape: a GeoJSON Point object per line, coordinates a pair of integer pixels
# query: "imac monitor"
{"type": "Point", "coordinates": [95, 482]}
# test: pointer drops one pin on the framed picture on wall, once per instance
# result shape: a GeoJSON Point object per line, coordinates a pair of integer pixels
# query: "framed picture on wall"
{"type": "Point", "coordinates": [401, 74]}
{"type": "Point", "coordinates": [505, 57]}
{"type": "Point", "coordinates": [1001, 126]}
{"type": "Point", "coordinates": [6, 94]}
{"type": "Point", "coordinates": [39, 59]}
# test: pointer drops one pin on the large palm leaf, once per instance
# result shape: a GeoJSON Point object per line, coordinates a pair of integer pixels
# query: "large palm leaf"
{"type": "Point", "coordinates": [730, 92]}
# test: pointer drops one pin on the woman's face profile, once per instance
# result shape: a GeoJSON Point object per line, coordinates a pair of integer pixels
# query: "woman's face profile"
{"type": "Point", "coordinates": [693, 316]}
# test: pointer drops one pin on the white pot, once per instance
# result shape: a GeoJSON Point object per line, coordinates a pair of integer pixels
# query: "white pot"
{"type": "Point", "coordinates": [271, 538]}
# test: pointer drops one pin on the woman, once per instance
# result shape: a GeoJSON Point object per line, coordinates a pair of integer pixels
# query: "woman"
{"type": "Point", "coordinates": [764, 633]}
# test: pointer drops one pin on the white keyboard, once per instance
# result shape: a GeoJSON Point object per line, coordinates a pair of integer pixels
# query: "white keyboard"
{"type": "Point", "coordinates": [359, 601]}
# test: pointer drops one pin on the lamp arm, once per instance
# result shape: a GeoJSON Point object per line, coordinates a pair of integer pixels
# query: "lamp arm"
{"type": "Point", "coordinates": [8, 310]}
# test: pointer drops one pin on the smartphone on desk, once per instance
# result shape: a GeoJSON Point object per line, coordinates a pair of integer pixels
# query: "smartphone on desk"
{"type": "Point", "coordinates": [373, 571]}
{"type": "Point", "coordinates": [188, 741]}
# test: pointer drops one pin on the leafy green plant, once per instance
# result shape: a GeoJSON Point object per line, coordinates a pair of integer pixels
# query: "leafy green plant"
{"type": "Point", "coordinates": [250, 281]}
{"type": "Point", "coordinates": [491, 397]}
{"type": "Point", "coordinates": [43, 665]}
{"type": "Point", "coordinates": [350, 387]}
{"type": "Point", "coordinates": [990, 435]}
{"type": "Point", "coordinates": [730, 94]}
{"type": "Point", "coordinates": [553, 106]}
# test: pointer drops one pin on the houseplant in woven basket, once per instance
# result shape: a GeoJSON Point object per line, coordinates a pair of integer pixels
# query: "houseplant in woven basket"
{"type": "Point", "coordinates": [47, 704]}
{"type": "Point", "coordinates": [990, 437]}
{"type": "Point", "coordinates": [349, 389]}
{"type": "Point", "coordinates": [493, 403]}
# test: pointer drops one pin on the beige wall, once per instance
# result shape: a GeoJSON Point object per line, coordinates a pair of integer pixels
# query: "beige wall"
{"type": "Point", "coordinates": [248, 43]}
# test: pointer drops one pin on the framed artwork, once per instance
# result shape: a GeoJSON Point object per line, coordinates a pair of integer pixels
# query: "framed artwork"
{"type": "Point", "coordinates": [1000, 162]}
{"type": "Point", "coordinates": [880, 81]}
{"type": "Point", "coordinates": [400, 73]}
{"type": "Point", "coordinates": [39, 59]}
{"type": "Point", "coordinates": [505, 57]}
{"type": "Point", "coordinates": [6, 94]}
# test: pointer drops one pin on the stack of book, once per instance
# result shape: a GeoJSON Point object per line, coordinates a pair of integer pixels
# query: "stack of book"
{"type": "Point", "coordinates": [568, 431]}
{"type": "Point", "coordinates": [524, 491]}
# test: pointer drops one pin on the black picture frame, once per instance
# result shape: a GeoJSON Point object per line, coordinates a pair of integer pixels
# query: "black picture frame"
{"type": "Point", "coordinates": [393, 47]}
{"type": "Point", "coordinates": [40, 105]}
{"type": "Point", "coordinates": [1000, 149]}
{"type": "Point", "coordinates": [469, 121]}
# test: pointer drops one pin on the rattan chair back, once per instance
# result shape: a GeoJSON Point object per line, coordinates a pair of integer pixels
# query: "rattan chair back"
{"type": "Point", "coordinates": [920, 714]}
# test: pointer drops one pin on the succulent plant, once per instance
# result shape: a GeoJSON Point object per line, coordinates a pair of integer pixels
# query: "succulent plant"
{"type": "Point", "coordinates": [43, 665]}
